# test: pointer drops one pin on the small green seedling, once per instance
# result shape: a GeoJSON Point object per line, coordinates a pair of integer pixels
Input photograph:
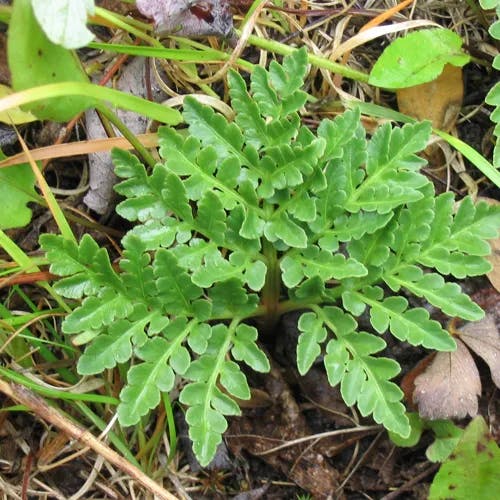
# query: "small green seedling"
{"type": "Point", "coordinates": [446, 436]}
{"type": "Point", "coordinates": [242, 222]}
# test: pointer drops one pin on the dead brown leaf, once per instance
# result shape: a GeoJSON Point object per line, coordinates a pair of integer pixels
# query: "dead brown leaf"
{"type": "Point", "coordinates": [449, 387]}
{"type": "Point", "coordinates": [191, 19]}
{"type": "Point", "coordinates": [438, 101]}
{"type": "Point", "coordinates": [483, 338]}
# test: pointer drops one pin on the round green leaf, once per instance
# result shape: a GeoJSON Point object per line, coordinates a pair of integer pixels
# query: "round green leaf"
{"type": "Point", "coordinates": [34, 60]}
{"type": "Point", "coordinates": [417, 58]}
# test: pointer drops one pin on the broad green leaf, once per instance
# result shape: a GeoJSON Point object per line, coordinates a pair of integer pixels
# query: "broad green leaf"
{"type": "Point", "coordinates": [404, 63]}
{"type": "Point", "coordinates": [489, 4]}
{"type": "Point", "coordinates": [472, 470]}
{"type": "Point", "coordinates": [64, 21]}
{"type": "Point", "coordinates": [35, 60]}
{"type": "Point", "coordinates": [14, 116]}
{"type": "Point", "coordinates": [17, 189]}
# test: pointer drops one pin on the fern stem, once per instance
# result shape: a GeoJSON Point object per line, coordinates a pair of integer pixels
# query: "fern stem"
{"type": "Point", "coordinates": [272, 287]}
{"type": "Point", "coordinates": [296, 305]}
{"type": "Point", "coordinates": [320, 62]}
{"type": "Point", "coordinates": [128, 134]}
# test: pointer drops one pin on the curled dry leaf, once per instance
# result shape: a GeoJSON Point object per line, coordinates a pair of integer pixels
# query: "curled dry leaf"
{"type": "Point", "coordinates": [438, 101]}
{"type": "Point", "coordinates": [449, 387]}
{"type": "Point", "coordinates": [450, 384]}
{"type": "Point", "coordinates": [190, 18]}
{"type": "Point", "coordinates": [101, 169]}
{"type": "Point", "coordinates": [483, 338]}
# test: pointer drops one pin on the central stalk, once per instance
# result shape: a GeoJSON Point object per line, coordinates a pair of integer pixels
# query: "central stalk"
{"type": "Point", "coordinates": [272, 288]}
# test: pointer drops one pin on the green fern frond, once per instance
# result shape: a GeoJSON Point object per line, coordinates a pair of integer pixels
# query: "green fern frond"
{"type": "Point", "coordinates": [252, 218]}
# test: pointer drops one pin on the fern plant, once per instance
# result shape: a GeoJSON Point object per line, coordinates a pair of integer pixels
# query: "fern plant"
{"type": "Point", "coordinates": [493, 97]}
{"type": "Point", "coordinates": [245, 221]}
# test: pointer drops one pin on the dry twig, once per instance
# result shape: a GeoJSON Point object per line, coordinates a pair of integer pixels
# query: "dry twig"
{"type": "Point", "coordinates": [24, 396]}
